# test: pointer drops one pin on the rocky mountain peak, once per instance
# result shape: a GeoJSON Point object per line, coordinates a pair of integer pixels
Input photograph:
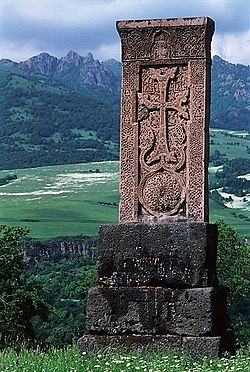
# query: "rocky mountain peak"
{"type": "Point", "coordinates": [43, 64]}
{"type": "Point", "coordinates": [72, 70]}
{"type": "Point", "coordinates": [89, 57]}
{"type": "Point", "coordinates": [71, 60]}
{"type": "Point", "coordinates": [7, 62]}
{"type": "Point", "coordinates": [230, 94]}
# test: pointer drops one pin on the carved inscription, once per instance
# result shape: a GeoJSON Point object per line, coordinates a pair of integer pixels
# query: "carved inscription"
{"type": "Point", "coordinates": [162, 114]}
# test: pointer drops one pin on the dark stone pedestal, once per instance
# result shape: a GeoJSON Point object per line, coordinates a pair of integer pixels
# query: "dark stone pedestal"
{"type": "Point", "coordinates": [157, 287]}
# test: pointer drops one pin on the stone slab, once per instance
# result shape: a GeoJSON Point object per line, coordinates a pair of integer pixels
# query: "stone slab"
{"type": "Point", "coordinates": [165, 119]}
{"type": "Point", "coordinates": [120, 310]}
{"type": "Point", "coordinates": [211, 346]}
{"type": "Point", "coordinates": [143, 310]}
{"type": "Point", "coordinates": [169, 255]}
{"type": "Point", "coordinates": [207, 346]}
{"type": "Point", "coordinates": [89, 343]}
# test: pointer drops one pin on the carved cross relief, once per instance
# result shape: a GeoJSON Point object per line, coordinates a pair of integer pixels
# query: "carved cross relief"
{"type": "Point", "coordinates": [162, 116]}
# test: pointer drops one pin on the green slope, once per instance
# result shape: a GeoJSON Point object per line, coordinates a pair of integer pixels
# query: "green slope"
{"type": "Point", "coordinates": [42, 124]}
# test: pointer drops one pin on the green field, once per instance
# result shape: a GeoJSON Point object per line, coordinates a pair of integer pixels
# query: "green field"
{"type": "Point", "coordinates": [65, 200]}
{"type": "Point", "coordinates": [231, 143]}
{"type": "Point", "coordinates": [68, 200]}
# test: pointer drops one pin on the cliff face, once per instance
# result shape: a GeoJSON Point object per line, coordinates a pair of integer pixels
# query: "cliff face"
{"type": "Point", "coordinates": [35, 250]}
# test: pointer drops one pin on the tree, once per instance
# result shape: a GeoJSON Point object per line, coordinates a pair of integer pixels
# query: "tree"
{"type": "Point", "coordinates": [19, 300]}
{"type": "Point", "coordinates": [233, 271]}
{"type": "Point", "coordinates": [232, 262]}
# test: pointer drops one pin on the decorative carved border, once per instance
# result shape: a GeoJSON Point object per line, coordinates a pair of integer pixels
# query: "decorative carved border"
{"type": "Point", "coordinates": [162, 46]}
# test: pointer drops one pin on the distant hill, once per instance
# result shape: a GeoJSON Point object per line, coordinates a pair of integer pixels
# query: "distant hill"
{"type": "Point", "coordinates": [230, 105]}
{"type": "Point", "coordinates": [58, 111]}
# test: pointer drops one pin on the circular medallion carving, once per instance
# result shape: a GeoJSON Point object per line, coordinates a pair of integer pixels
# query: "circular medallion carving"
{"type": "Point", "coordinates": [162, 193]}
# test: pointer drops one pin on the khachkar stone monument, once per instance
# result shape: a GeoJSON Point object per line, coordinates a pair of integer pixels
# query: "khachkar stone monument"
{"type": "Point", "coordinates": [156, 274]}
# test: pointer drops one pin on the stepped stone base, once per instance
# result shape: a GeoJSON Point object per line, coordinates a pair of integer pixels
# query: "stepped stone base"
{"type": "Point", "coordinates": [169, 254]}
{"type": "Point", "coordinates": [157, 288]}
{"type": "Point", "coordinates": [209, 346]}
{"type": "Point", "coordinates": [154, 310]}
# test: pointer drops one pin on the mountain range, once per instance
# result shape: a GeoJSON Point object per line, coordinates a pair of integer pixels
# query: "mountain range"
{"type": "Point", "coordinates": [72, 71]}
{"type": "Point", "coordinates": [57, 111]}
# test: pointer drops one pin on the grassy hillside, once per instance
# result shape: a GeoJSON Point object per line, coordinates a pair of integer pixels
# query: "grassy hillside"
{"type": "Point", "coordinates": [231, 144]}
{"type": "Point", "coordinates": [41, 124]}
{"type": "Point", "coordinates": [225, 146]}
{"type": "Point", "coordinates": [61, 200]}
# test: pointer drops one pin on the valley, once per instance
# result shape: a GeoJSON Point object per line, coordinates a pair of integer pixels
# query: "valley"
{"type": "Point", "coordinates": [59, 135]}
{"type": "Point", "coordinates": [74, 199]}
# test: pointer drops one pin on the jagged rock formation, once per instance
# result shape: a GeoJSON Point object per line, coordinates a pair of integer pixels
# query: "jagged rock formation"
{"type": "Point", "coordinates": [72, 70]}
{"type": "Point", "coordinates": [43, 64]}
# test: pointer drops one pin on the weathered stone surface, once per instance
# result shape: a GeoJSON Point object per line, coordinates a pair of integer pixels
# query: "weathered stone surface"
{"type": "Point", "coordinates": [165, 119]}
{"type": "Point", "coordinates": [170, 254]}
{"type": "Point", "coordinates": [143, 310]}
{"type": "Point", "coordinates": [211, 346]}
{"type": "Point", "coordinates": [88, 343]}
{"type": "Point", "coordinates": [120, 310]}
{"type": "Point", "coordinates": [199, 311]}
{"type": "Point", "coordinates": [205, 345]}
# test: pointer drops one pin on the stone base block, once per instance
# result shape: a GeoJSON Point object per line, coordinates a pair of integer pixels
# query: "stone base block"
{"type": "Point", "coordinates": [209, 346]}
{"type": "Point", "coordinates": [88, 343]}
{"type": "Point", "coordinates": [152, 310]}
{"type": "Point", "coordinates": [171, 254]}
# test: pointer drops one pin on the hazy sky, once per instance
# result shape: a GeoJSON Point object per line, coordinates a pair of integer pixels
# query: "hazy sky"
{"type": "Point", "coordinates": [29, 27]}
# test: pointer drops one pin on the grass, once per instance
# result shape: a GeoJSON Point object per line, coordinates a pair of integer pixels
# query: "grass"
{"type": "Point", "coordinates": [107, 361]}
{"type": "Point", "coordinates": [232, 216]}
{"type": "Point", "coordinates": [231, 143]}
{"type": "Point", "coordinates": [61, 200]}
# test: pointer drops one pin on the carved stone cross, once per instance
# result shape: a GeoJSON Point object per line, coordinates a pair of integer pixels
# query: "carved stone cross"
{"type": "Point", "coordinates": [156, 277]}
{"type": "Point", "coordinates": [164, 119]}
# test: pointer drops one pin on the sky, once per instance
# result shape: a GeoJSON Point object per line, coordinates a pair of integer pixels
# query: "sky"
{"type": "Point", "coordinates": [30, 27]}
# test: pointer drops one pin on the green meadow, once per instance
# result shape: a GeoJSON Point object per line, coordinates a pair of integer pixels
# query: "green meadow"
{"type": "Point", "coordinates": [64, 200]}
{"type": "Point", "coordinates": [233, 144]}
{"type": "Point", "coordinates": [74, 199]}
